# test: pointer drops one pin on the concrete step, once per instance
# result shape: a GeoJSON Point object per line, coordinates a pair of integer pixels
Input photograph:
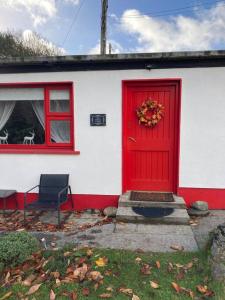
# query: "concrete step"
{"type": "Point", "coordinates": [124, 201]}
{"type": "Point", "coordinates": [178, 216]}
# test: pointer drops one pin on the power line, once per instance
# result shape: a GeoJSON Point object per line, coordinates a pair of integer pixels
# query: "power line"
{"type": "Point", "coordinates": [173, 11]}
{"type": "Point", "coordinates": [73, 22]}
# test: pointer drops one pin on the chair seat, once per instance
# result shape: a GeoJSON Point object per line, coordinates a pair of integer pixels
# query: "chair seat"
{"type": "Point", "coordinates": [40, 204]}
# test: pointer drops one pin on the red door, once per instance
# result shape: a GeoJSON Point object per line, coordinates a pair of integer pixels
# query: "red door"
{"type": "Point", "coordinates": [150, 155]}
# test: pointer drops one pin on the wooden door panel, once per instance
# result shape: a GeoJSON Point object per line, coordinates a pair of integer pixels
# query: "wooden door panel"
{"type": "Point", "coordinates": [150, 154]}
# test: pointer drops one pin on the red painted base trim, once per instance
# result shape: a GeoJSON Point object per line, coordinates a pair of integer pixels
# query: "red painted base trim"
{"type": "Point", "coordinates": [214, 197]}
{"type": "Point", "coordinates": [81, 202]}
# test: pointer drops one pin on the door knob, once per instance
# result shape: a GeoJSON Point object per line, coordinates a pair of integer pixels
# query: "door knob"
{"type": "Point", "coordinates": [132, 139]}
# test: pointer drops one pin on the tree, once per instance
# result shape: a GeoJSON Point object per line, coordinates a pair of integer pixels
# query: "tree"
{"type": "Point", "coordinates": [28, 44]}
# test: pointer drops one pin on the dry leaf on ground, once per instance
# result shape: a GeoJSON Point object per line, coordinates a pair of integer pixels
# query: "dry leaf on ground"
{"type": "Point", "coordinates": [6, 296]}
{"type": "Point", "coordinates": [33, 289]}
{"type": "Point", "coordinates": [105, 296]}
{"type": "Point", "coordinates": [154, 285]}
{"type": "Point", "coordinates": [85, 291]}
{"type": "Point", "coordinates": [138, 260]}
{"type": "Point", "coordinates": [52, 295]}
{"type": "Point", "coordinates": [135, 297]}
{"type": "Point", "coordinates": [146, 269]}
{"type": "Point", "coordinates": [126, 291]}
{"type": "Point", "coordinates": [157, 264]}
{"type": "Point", "coordinates": [102, 261]}
{"type": "Point", "coordinates": [176, 287]}
{"type": "Point", "coordinates": [177, 247]}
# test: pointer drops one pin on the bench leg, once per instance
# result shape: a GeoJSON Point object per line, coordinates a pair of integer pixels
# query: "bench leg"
{"type": "Point", "coordinates": [58, 216]}
{"type": "Point", "coordinates": [4, 206]}
{"type": "Point", "coordinates": [24, 215]}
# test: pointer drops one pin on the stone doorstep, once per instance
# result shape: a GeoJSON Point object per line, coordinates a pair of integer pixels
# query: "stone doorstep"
{"type": "Point", "coordinates": [126, 214]}
{"type": "Point", "coordinates": [124, 201]}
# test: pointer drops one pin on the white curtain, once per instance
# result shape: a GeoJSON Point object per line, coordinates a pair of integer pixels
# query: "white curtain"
{"type": "Point", "coordinates": [38, 107]}
{"type": "Point", "coordinates": [6, 109]}
{"type": "Point", "coordinates": [60, 130]}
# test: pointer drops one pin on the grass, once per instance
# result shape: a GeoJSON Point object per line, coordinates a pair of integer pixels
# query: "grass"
{"type": "Point", "coordinates": [123, 270]}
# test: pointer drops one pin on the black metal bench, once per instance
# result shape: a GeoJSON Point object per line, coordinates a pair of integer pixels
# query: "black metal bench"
{"type": "Point", "coordinates": [53, 192]}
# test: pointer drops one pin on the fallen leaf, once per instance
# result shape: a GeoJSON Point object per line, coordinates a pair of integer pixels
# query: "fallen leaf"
{"type": "Point", "coordinates": [202, 289]}
{"type": "Point", "coordinates": [33, 289]}
{"type": "Point", "coordinates": [179, 265]}
{"type": "Point", "coordinates": [138, 259]}
{"type": "Point", "coordinates": [189, 265]}
{"type": "Point", "coordinates": [57, 282]}
{"type": "Point", "coordinates": [170, 267]}
{"type": "Point", "coordinates": [146, 269]}
{"type": "Point", "coordinates": [68, 253]}
{"type": "Point", "coordinates": [74, 295]}
{"type": "Point", "coordinates": [89, 252]}
{"type": "Point", "coordinates": [102, 261]}
{"type": "Point", "coordinates": [177, 247]}
{"type": "Point", "coordinates": [52, 295]}
{"type": "Point", "coordinates": [157, 264]}
{"type": "Point", "coordinates": [7, 277]}
{"type": "Point", "coordinates": [85, 291]}
{"type": "Point", "coordinates": [105, 296]}
{"type": "Point", "coordinates": [176, 287]}
{"type": "Point", "coordinates": [135, 297]}
{"type": "Point", "coordinates": [109, 289]}
{"type": "Point", "coordinates": [55, 274]}
{"type": "Point", "coordinates": [28, 281]}
{"type": "Point", "coordinates": [7, 295]}
{"type": "Point", "coordinates": [154, 285]}
{"type": "Point", "coordinates": [80, 273]}
{"type": "Point", "coordinates": [95, 276]}
{"type": "Point", "coordinates": [126, 291]}
{"type": "Point", "coordinates": [180, 275]}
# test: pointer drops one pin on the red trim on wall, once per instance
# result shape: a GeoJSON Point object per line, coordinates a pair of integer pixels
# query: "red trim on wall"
{"type": "Point", "coordinates": [80, 201]}
{"type": "Point", "coordinates": [214, 197]}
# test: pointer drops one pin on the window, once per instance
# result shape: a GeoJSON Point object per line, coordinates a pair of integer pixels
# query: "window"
{"type": "Point", "coordinates": [36, 116]}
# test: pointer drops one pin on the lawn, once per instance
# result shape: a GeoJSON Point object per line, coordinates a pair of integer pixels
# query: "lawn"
{"type": "Point", "coordinates": [110, 274]}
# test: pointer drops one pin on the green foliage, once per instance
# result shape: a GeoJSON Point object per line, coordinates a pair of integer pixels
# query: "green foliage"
{"type": "Point", "coordinates": [15, 45]}
{"type": "Point", "coordinates": [16, 247]}
{"type": "Point", "coordinates": [57, 263]}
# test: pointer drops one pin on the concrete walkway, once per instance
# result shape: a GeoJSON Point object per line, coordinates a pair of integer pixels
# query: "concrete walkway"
{"type": "Point", "coordinates": [155, 238]}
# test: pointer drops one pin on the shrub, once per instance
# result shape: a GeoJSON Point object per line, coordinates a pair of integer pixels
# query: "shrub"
{"type": "Point", "coordinates": [16, 247]}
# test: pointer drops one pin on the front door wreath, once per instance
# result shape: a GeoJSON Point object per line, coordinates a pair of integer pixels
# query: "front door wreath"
{"type": "Point", "coordinates": [150, 113]}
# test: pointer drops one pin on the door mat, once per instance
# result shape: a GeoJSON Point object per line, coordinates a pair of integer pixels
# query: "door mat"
{"type": "Point", "coordinates": [154, 197]}
{"type": "Point", "coordinates": [153, 212]}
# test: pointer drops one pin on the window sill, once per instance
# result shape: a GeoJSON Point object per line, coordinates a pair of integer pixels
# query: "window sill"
{"type": "Point", "coordinates": [39, 151]}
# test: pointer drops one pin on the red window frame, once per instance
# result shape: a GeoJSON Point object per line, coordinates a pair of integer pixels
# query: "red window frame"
{"type": "Point", "coordinates": [48, 146]}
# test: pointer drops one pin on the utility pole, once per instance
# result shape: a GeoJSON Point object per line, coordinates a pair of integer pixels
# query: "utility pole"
{"type": "Point", "coordinates": [104, 26]}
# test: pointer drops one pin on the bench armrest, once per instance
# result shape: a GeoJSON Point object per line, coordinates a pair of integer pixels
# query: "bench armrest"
{"type": "Point", "coordinates": [25, 195]}
{"type": "Point", "coordinates": [60, 192]}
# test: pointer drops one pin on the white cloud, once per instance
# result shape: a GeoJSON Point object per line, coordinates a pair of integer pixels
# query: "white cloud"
{"type": "Point", "coordinates": [38, 11]}
{"type": "Point", "coordinates": [205, 30]}
{"type": "Point", "coordinates": [116, 48]}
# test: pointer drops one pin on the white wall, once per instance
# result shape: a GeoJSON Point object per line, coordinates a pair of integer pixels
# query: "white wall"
{"type": "Point", "coordinates": [97, 170]}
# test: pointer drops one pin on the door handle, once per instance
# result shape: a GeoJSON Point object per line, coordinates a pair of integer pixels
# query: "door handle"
{"type": "Point", "coordinates": [132, 139]}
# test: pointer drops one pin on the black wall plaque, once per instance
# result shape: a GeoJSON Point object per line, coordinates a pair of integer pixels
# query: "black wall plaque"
{"type": "Point", "coordinates": [98, 119]}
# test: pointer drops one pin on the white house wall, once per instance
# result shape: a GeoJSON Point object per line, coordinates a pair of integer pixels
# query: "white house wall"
{"type": "Point", "coordinates": [98, 168]}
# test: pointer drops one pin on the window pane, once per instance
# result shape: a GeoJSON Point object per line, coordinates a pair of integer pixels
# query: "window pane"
{"type": "Point", "coordinates": [22, 122]}
{"type": "Point", "coordinates": [60, 131]}
{"type": "Point", "coordinates": [21, 94]}
{"type": "Point", "coordinates": [59, 101]}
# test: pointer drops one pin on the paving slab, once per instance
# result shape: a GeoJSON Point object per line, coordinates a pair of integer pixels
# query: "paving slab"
{"type": "Point", "coordinates": [126, 214]}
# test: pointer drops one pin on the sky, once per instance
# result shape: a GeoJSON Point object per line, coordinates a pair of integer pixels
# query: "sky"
{"type": "Point", "coordinates": [133, 25]}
